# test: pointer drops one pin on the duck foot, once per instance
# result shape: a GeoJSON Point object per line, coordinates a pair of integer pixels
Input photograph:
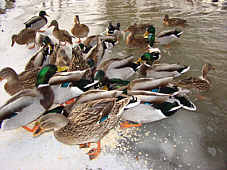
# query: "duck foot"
{"type": "Point", "coordinates": [35, 127]}
{"type": "Point", "coordinates": [93, 153]}
{"type": "Point", "coordinates": [79, 41]}
{"type": "Point", "coordinates": [31, 47]}
{"type": "Point", "coordinates": [126, 124]}
{"type": "Point", "coordinates": [42, 31]}
{"type": "Point", "coordinates": [70, 101]}
{"type": "Point", "coordinates": [200, 97]}
{"type": "Point", "coordinates": [85, 145]}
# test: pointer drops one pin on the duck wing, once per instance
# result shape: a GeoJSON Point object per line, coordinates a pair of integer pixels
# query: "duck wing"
{"type": "Point", "coordinates": [21, 109]}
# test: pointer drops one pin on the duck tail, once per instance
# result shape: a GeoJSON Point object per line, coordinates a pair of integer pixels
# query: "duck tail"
{"type": "Point", "coordinates": [183, 69]}
{"type": "Point", "coordinates": [178, 33]}
{"type": "Point", "coordinates": [185, 103]}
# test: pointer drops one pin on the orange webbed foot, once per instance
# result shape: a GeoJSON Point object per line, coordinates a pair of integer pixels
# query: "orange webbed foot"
{"type": "Point", "coordinates": [93, 153]}
{"type": "Point", "coordinates": [126, 124]}
{"type": "Point", "coordinates": [41, 31]}
{"type": "Point", "coordinates": [32, 130]}
{"type": "Point", "coordinates": [85, 145]}
{"type": "Point", "coordinates": [70, 101]}
{"type": "Point", "coordinates": [33, 46]}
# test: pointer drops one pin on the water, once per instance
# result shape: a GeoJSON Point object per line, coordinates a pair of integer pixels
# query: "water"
{"type": "Point", "coordinates": [187, 140]}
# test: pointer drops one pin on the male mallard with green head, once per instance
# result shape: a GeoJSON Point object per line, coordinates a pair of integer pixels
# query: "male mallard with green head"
{"type": "Point", "coordinates": [37, 22]}
{"type": "Point", "coordinates": [29, 104]}
{"type": "Point", "coordinates": [164, 37]}
{"type": "Point", "coordinates": [25, 36]}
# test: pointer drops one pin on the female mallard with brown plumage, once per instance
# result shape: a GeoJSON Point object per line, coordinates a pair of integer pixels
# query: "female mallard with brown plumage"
{"type": "Point", "coordinates": [173, 21]}
{"type": "Point", "coordinates": [60, 34]}
{"type": "Point", "coordinates": [25, 36]}
{"type": "Point", "coordinates": [202, 83]}
{"type": "Point", "coordinates": [86, 122]}
{"type": "Point", "coordinates": [15, 82]}
{"type": "Point", "coordinates": [79, 30]}
{"type": "Point", "coordinates": [135, 41]}
{"type": "Point", "coordinates": [138, 28]}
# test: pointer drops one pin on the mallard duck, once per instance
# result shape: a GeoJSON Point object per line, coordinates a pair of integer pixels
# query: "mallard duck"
{"type": "Point", "coordinates": [159, 90]}
{"type": "Point", "coordinates": [163, 38]}
{"type": "Point", "coordinates": [49, 75]}
{"type": "Point", "coordinates": [61, 35]}
{"type": "Point", "coordinates": [25, 36]}
{"type": "Point", "coordinates": [46, 55]}
{"type": "Point", "coordinates": [113, 30]}
{"type": "Point", "coordinates": [96, 53]}
{"type": "Point", "coordinates": [15, 82]}
{"type": "Point", "coordinates": [79, 30]}
{"type": "Point", "coordinates": [89, 122]}
{"type": "Point", "coordinates": [37, 22]}
{"type": "Point", "coordinates": [121, 68]}
{"type": "Point", "coordinates": [138, 41]}
{"type": "Point", "coordinates": [162, 70]}
{"type": "Point", "coordinates": [147, 112]}
{"type": "Point", "coordinates": [27, 105]}
{"type": "Point", "coordinates": [151, 56]}
{"type": "Point", "coordinates": [173, 21]}
{"type": "Point", "coordinates": [138, 28]}
{"type": "Point", "coordinates": [166, 37]}
{"type": "Point", "coordinates": [202, 83]}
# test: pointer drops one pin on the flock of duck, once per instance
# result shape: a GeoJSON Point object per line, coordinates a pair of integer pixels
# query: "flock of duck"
{"type": "Point", "coordinates": [82, 97]}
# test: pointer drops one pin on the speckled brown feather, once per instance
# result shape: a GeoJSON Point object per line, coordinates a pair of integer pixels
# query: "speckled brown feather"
{"type": "Point", "coordinates": [83, 126]}
{"type": "Point", "coordinates": [16, 83]}
{"type": "Point", "coordinates": [79, 30]}
{"type": "Point", "coordinates": [25, 36]}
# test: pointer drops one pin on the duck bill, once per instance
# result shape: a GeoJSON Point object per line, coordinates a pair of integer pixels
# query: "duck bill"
{"type": "Point", "coordinates": [12, 43]}
{"type": "Point", "coordinates": [139, 60]}
{"type": "Point", "coordinates": [62, 68]}
{"type": "Point", "coordinates": [145, 35]}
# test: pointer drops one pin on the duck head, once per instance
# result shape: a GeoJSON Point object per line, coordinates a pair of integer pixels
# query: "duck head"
{"type": "Point", "coordinates": [76, 19]}
{"type": "Point", "coordinates": [14, 38]}
{"type": "Point", "coordinates": [43, 13]}
{"type": "Point", "coordinates": [205, 69]}
{"type": "Point", "coordinates": [7, 73]}
{"type": "Point", "coordinates": [166, 18]}
{"type": "Point", "coordinates": [53, 23]}
{"type": "Point", "coordinates": [150, 35]}
{"type": "Point", "coordinates": [45, 74]}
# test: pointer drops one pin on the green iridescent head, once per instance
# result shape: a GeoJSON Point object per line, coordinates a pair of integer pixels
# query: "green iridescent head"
{"type": "Point", "coordinates": [147, 56]}
{"type": "Point", "coordinates": [46, 41]}
{"type": "Point", "coordinates": [81, 45]}
{"type": "Point", "coordinates": [150, 57]}
{"type": "Point", "coordinates": [43, 13]}
{"type": "Point", "coordinates": [45, 74]}
{"type": "Point", "coordinates": [99, 75]}
{"type": "Point", "coordinates": [151, 29]}
{"type": "Point", "coordinates": [151, 39]}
